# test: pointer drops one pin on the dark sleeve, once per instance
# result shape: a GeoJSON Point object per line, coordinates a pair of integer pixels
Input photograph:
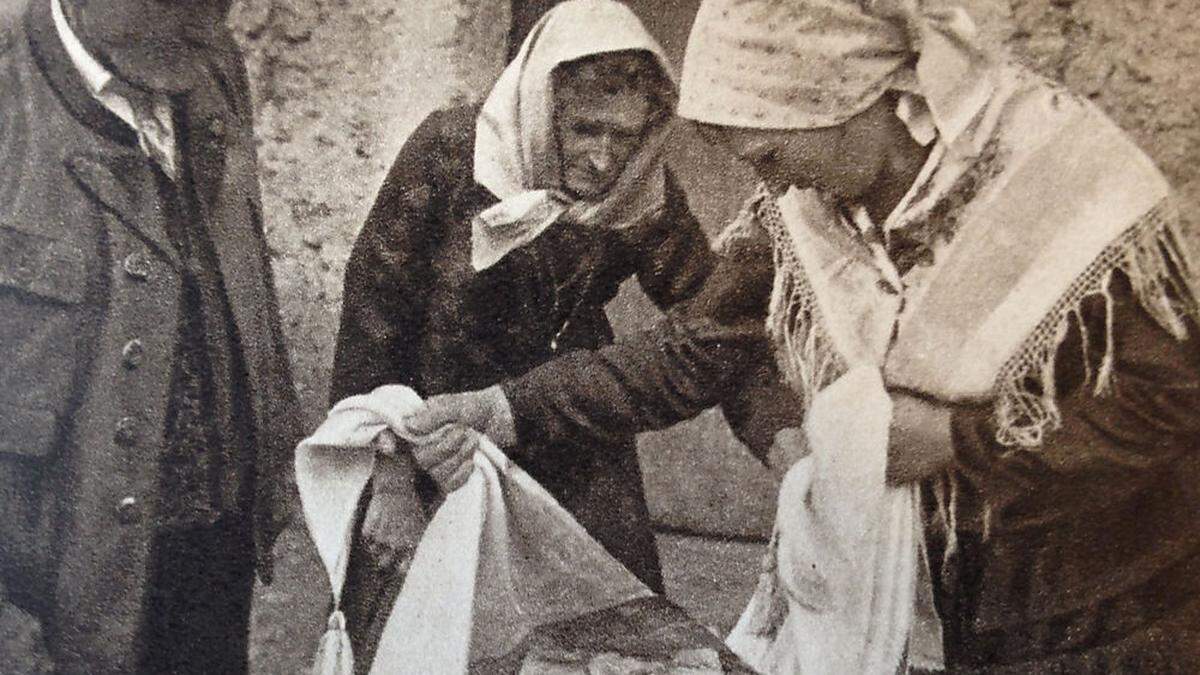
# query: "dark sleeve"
{"type": "Point", "coordinates": [1121, 438]}
{"type": "Point", "coordinates": [674, 257]}
{"type": "Point", "coordinates": [289, 405]}
{"type": "Point", "coordinates": [691, 360]}
{"type": "Point", "coordinates": [388, 271]}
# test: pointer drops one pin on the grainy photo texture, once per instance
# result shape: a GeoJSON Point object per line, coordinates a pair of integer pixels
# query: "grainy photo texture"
{"type": "Point", "coordinates": [588, 336]}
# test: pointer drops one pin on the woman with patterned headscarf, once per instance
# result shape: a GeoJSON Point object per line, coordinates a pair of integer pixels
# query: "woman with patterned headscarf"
{"type": "Point", "coordinates": [1012, 267]}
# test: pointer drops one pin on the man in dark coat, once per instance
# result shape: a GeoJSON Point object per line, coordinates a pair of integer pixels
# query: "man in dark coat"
{"type": "Point", "coordinates": [147, 403]}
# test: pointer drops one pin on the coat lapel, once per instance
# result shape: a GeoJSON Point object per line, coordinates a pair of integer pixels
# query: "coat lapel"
{"type": "Point", "coordinates": [220, 154]}
{"type": "Point", "coordinates": [209, 139]}
{"type": "Point", "coordinates": [97, 173]}
{"type": "Point", "coordinates": [225, 178]}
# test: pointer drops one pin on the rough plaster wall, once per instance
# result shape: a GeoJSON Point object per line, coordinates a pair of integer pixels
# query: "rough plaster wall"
{"type": "Point", "coordinates": [339, 84]}
{"type": "Point", "coordinates": [1140, 61]}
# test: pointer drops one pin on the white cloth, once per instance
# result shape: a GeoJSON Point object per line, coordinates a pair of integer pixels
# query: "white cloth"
{"type": "Point", "coordinates": [516, 156]}
{"type": "Point", "coordinates": [847, 588]}
{"type": "Point", "coordinates": [845, 591]}
{"type": "Point", "coordinates": [149, 115]}
{"type": "Point", "coordinates": [499, 558]}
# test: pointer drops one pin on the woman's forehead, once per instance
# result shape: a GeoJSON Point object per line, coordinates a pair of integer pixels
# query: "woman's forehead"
{"type": "Point", "coordinates": [627, 64]}
{"type": "Point", "coordinates": [725, 135]}
{"type": "Point", "coordinates": [627, 108]}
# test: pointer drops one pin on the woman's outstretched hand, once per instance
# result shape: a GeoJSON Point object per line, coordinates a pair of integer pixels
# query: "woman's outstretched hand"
{"type": "Point", "coordinates": [448, 456]}
{"type": "Point", "coordinates": [451, 424]}
{"type": "Point", "coordinates": [485, 410]}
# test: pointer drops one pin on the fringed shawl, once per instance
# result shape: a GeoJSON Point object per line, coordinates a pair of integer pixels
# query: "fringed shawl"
{"type": "Point", "coordinates": [1050, 202]}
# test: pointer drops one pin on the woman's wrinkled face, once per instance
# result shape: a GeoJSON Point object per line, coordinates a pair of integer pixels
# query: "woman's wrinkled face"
{"type": "Point", "coordinates": [597, 135]}
{"type": "Point", "coordinates": [605, 106]}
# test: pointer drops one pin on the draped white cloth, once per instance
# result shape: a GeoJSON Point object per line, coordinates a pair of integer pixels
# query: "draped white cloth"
{"type": "Point", "coordinates": [499, 558]}
{"type": "Point", "coordinates": [846, 589]}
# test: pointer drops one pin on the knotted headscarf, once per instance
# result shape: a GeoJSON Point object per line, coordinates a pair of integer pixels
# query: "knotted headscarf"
{"type": "Point", "coordinates": [803, 64]}
{"type": "Point", "coordinates": [516, 156]}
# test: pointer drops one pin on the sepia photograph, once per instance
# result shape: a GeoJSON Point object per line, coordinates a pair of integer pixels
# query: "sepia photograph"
{"type": "Point", "coordinates": [599, 337]}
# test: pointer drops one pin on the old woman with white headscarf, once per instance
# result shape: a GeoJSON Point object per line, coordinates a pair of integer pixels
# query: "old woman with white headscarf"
{"type": "Point", "coordinates": [497, 239]}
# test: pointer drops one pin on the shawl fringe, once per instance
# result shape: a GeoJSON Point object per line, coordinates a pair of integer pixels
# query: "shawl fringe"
{"type": "Point", "coordinates": [1159, 255]}
{"type": "Point", "coordinates": [804, 353]}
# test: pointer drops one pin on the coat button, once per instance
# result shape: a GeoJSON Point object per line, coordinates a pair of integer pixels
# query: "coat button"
{"type": "Point", "coordinates": [127, 432]}
{"type": "Point", "coordinates": [137, 265]}
{"type": "Point", "coordinates": [132, 354]}
{"type": "Point", "coordinates": [128, 511]}
{"type": "Point", "coordinates": [216, 126]}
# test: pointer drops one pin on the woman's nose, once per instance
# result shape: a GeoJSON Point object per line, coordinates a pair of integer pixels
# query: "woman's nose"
{"type": "Point", "coordinates": [600, 154]}
{"type": "Point", "coordinates": [600, 159]}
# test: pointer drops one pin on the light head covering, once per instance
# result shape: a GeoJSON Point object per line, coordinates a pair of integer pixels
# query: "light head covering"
{"type": "Point", "coordinates": [804, 64]}
{"type": "Point", "coordinates": [516, 156]}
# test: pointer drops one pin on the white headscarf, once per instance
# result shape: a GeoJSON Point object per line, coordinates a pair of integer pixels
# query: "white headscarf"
{"type": "Point", "coordinates": [516, 156]}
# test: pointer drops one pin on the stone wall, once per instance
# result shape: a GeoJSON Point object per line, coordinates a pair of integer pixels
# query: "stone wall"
{"type": "Point", "coordinates": [338, 85]}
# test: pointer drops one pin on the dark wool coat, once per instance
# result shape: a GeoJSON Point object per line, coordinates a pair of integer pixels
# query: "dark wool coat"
{"type": "Point", "coordinates": [415, 313]}
{"type": "Point", "coordinates": [89, 295]}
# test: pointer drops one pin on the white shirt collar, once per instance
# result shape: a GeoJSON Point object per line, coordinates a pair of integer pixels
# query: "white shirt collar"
{"type": "Point", "coordinates": [915, 113]}
{"type": "Point", "coordinates": [94, 74]}
{"type": "Point", "coordinates": [155, 131]}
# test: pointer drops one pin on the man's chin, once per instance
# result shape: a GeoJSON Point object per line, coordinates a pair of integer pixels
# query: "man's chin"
{"type": "Point", "coordinates": [172, 70]}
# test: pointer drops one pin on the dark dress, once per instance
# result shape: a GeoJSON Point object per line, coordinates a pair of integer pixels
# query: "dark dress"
{"type": "Point", "coordinates": [1090, 561]}
{"type": "Point", "coordinates": [416, 313]}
